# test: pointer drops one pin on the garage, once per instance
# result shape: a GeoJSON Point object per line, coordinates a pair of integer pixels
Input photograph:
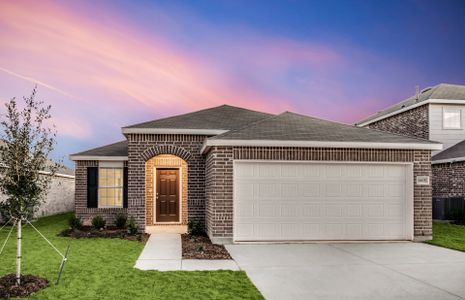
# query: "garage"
{"type": "Point", "coordinates": [296, 200]}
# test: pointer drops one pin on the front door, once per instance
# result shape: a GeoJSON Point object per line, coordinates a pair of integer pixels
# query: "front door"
{"type": "Point", "coordinates": [167, 195]}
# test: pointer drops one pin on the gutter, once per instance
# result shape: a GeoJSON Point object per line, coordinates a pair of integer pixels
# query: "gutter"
{"type": "Point", "coordinates": [95, 157]}
{"type": "Point", "coordinates": [317, 144]}
{"type": "Point", "coordinates": [448, 160]}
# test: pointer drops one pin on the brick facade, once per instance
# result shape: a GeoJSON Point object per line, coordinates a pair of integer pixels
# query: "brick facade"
{"type": "Point", "coordinates": [449, 179]}
{"type": "Point", "coordinates": [142, 147]}
{"type": "Point", "coordinates": [210, 178]}
{"type": "Point", "coordinates": [413, 123]}
{"type": "Point", "coordinates": [80, 197]}
{"type": "Point", "coordinates": [219, 175]}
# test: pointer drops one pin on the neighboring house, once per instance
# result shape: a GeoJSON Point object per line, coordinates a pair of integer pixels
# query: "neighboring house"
{"type": "Point", "coordinates": [252, 176]}
{"type": "Point", "coordinates": [60, 197]}
{"type": "Point", "coordinates": [436, 113]}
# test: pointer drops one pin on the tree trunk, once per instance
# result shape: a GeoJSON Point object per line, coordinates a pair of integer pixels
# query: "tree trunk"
{"type": "Point", "coordinates": [18, 255]}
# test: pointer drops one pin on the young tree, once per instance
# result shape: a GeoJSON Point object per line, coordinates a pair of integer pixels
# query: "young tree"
{"type": "Point", "coordinates": [26, 142]}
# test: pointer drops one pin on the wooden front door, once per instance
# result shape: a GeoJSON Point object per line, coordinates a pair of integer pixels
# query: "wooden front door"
{"type": "Point", "coordinates": [167, 195]}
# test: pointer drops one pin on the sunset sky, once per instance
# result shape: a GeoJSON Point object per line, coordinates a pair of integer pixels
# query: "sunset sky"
{"type": "Point", "coordinates": [106, 64]}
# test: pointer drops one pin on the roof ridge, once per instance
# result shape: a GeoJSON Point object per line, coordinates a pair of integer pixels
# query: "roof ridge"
{"type": "Point", "coordinates": [183, 114]}
{"type": "Point", "coordinates": [246, 126]}
{"type": "Point", "coordinates": [320, 119]}
{"type": "Point", "coordinates": [198, 111]}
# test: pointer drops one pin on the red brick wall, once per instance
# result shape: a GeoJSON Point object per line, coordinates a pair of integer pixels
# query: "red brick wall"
{"type": "Point", "coordinates": [219, 173]}
{"type": "Point", "coordinates": [449, 179]}
{"type": "Point", "coordinates": [80, 197]}
{"type": "Point", "coordinates": [219, 192]}
{"type": "Point", "coordinates": [414, 123]}
{"type": "Point", "coordinates": [142, 147]}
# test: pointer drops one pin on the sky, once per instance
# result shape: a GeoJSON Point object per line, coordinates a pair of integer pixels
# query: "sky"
{"type": "Point", "coordinates": [106, 64]}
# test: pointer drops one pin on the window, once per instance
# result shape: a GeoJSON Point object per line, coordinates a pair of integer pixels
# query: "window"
{"type": "Point", "coordinates": [452, 118]}
{"type": "Point", "coordinates": [110, 187]}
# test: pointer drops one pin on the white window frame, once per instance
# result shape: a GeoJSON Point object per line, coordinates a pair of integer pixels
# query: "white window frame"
{"type": "Point", "coordinates": [448, 109]}
{"type": "Point", "coordinates": [111, 165]}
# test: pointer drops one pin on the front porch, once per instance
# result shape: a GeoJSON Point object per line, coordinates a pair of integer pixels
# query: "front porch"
{"type": "Point", "coordinates": [166, 205]}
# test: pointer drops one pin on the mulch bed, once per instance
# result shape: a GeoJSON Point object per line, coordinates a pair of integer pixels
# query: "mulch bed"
{"type": "Point", "coordinates": [29, 285]}
{"type": "Point", "coordinates": [200, 247]}
{"type": "Point", "coordinates": [109, 232]}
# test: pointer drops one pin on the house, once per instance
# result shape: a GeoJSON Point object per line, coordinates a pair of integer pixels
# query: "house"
{"type": "Point", "coordinates": [435, 113]}
{"type": "Point", "coordinates": [253, 176]}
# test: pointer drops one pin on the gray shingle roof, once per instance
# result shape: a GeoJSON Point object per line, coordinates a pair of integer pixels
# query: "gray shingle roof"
{"type": "Point", "coordinates": [456, 151]}
{"type": "Point", "coordinates": [115, 149]}
{"type": "Point", "coordinates": [223, 117]}
{"type": "Point", "coordinates": [440, 91]}
{"type": "Point", "coordinates": [290, 126]}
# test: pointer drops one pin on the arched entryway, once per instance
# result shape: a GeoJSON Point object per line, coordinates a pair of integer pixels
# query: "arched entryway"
{"type": "Point", "coordinates": [166, 190]}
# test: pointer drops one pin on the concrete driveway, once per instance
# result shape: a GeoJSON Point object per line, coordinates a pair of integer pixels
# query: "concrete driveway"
{"type": "Point", "coordinates": [353, 271]}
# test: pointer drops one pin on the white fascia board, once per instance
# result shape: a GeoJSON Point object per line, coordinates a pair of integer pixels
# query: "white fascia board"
{"type": "Point", "coordinates": [432, 101]}
{"type": "Point", "coordinates": [446, 101]}
{"type": "Point", "coordinates": [172, 131]}
{"type": "Point", "coordinates": [102, 158]}
{"type": "Point", "coordinates": [449, 160]}
{"type": "Point", "coordinates": [319, 144]}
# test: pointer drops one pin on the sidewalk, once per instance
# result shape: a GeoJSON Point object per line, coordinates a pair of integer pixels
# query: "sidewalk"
{"type": "Point", "coordinates": [163, 252]}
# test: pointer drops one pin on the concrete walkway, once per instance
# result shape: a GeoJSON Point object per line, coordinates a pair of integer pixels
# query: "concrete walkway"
{"type": "Point", "coordinates": [163, 252]}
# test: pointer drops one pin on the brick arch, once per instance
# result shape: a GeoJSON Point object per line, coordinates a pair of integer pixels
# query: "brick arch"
{"type": "Point", "coordinates": [166, 149]}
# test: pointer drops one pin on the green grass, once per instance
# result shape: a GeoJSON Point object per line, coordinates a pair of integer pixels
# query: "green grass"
{"type": "Point", "coordinates": [103, 269]}
{"type": "Point", "coordinates": [449, 236]}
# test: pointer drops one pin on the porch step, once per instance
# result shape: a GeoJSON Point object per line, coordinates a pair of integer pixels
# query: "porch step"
{"type": "Point", "coordinates": [166, 229]}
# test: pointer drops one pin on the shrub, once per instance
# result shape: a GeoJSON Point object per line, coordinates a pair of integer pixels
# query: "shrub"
{"type": "Point", "coordinates": [120, 221]}
{"type": "Point", "coordinates": [132, 226]}
{"type": "Point", "coordinates": [98, 222]}
{"type": "Point", "coordinates": [75, 222]}
{"type": "Point", "coordinates": [195, 228]}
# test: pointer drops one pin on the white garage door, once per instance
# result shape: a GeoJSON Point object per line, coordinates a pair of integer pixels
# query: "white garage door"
{"type": "Point", "coordinates": [276, 201]}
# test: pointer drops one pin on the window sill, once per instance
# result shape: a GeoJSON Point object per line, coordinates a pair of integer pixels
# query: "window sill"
{"type": "Point", "coordinates": [119, 207]}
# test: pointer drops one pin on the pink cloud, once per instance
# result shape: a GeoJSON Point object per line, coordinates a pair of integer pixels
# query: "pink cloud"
{"type": "Point", "coordinates": [51, 44]}
{"type": "Point", "coordinates": [103, 73]}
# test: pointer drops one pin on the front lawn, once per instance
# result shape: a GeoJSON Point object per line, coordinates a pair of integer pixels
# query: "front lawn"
{"type": "Point", "coordinates": [103, 269]}
{"type": "Point", "coordinates": [449, 236]}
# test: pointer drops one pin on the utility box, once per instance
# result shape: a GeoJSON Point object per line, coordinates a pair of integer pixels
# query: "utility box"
{"type": "Point", "coordinates": [445, 208]}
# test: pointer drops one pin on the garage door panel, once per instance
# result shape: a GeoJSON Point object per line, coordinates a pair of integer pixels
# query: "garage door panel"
{"type": "Point", "coordinates": [333, 171]}
{"type": "Point", "coordinates": [289, 201]}
{"type": "Point", "coordinates": [311, 210]}
{"type": "Point", "coordinates": [395, 190]}
{"type": "Point", "coordinates": [267, 171]}
{"type": "Point", "coordinates": [310, 189]}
